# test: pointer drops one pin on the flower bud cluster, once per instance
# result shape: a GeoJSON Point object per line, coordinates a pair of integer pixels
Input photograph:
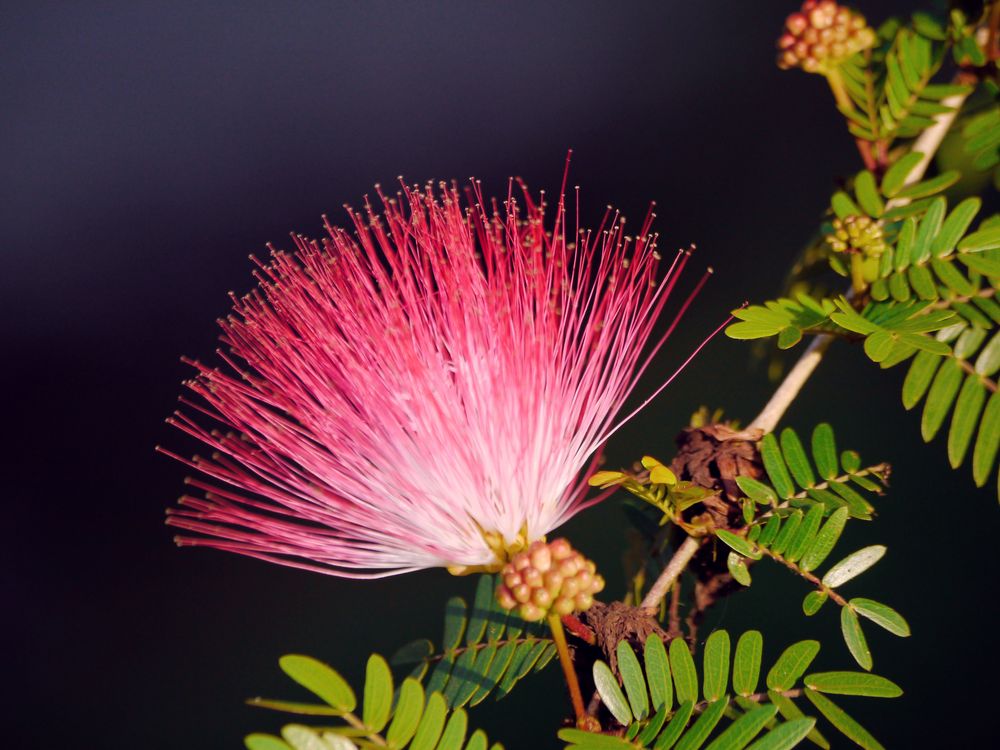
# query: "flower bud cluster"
{"type": "Point", "coordinates": [548, 577]}
{"type": "Point", "coordinates": [857, 234]}
{"type": "Point", "coordinates": [821, 35]}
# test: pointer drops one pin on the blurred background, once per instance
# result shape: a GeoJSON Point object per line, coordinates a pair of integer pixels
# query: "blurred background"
{"type": "Point", "coordinates": [149, 147]}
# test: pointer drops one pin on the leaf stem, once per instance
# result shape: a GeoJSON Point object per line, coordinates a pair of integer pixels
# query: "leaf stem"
{"type": "Point", "coordinates": [583, 720]}
{"type": "Point", "coordinates": [805, 574]}
{"type": "Point", "coordinates": [676, 566]}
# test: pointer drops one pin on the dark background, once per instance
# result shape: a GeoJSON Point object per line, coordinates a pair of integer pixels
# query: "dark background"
{"type": "Point", "coordinates": [149, 147]}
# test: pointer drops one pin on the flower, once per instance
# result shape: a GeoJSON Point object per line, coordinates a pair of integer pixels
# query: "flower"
{"type": "Point", "coordinates": [423, 391]}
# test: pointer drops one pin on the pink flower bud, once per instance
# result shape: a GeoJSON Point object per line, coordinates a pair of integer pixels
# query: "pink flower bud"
{"type": "Point", "coordinates": [563, 606]}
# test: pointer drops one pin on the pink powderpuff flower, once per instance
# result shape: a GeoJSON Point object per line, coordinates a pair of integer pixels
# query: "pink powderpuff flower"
{"type": "Point", "coordinates": [425, 390]}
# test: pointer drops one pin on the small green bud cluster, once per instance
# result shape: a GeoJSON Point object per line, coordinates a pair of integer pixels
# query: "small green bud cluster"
{"type": "Point", "coordinates": [857, 234]}
{"type": "Point", "coordinates": [821, 35]}
{"type": "Point", "coordinates": [548, 577]}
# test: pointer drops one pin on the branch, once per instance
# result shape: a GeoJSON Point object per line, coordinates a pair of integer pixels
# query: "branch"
{"type": "Point", "coordinates": [772, 413]}
{"type": "Point", "coordinates": [670, 574]}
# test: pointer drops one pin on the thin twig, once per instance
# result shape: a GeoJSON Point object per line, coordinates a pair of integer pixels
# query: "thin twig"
{"type": "Point", "coordinates": [814, 580]}
{"type": "Point", "coordinates": [583, 721]}
{"type": "Point", "coordinates": [670, 574]}
{"type": "Point", "coordinates": [674, 611]}
{"type": "Point", "coordinates": [792, 384]}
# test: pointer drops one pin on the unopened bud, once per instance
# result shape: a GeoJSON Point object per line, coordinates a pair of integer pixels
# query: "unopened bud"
{"type": "Point", "coordinates": [822, 35]}
{"type": "Point", "coordinates": [548, 578]}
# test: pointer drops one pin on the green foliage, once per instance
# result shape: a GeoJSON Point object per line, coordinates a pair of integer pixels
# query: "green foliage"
{"type": "Point", "coordinates": [931, 299]}
{"type": "Point", "coordinates": [713, 717]}
{"type": "Point", "coordinates": [800, 484]}
{"type": "Point", "coordinates": [802, 517]}
{"type": "Point", "coordinates": [419, 721]}
{"type": "Point", "coordinates": [483, 651]}
{"type": "Point", "coordinates": [888, 89]}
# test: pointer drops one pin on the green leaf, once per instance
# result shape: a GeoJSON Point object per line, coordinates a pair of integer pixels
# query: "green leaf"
{"type": "Point", "coordinates": [929, 227]}
{"type": "Point", "coordinates": [320, 679]}
{"type": "Point", "coordinates": [977, 242]}
{"type": "Point", "coordinates": [757, 491]}
{"type": "Point", "coordinates": [661, 690]}
{"type": "Point", "coordinates": [454, 623]}
{"type": "Point", "coordinates": [843, 205]}
{"type": "Point", "coordinates": [738, 543]}
{"type": "Point", "coordinates": [742, 731]}
{"type": "Point", "coordinates": [853, 565]}
{"type": "Point", "coordinates": [785, 736]}
{"type": "Point", "coordinates": [478, 741]}
{"type": "Point", "coordinates": [611, 694]}
{"type": "Point", "coordinates": [258, 741]}
{"type": "Point", "coordinates": [482, 609]}
{"type": "Point", "coordinates": [302, 737]}
{"type": "Point", "coordinates": [955, 226]}
{"type": "Point", "coordinates": [431, 724]}
{"type": "Point", "coordinates": [499, 665]}
{"type": "Point", "coordinates": [867, 194]}
{"type": "Point", "coordinates": [716, 665]}
{"type": "Point", "coordinates": [988, 440]}
{"type": "Point", "coordinates": [746, 663]}
{"type": "Point", "coordinates": [685, 674]}
{"type": "Point", "coordinates": [676, 726]}
{"type": "Point", "coordinates": [854, 637]}
{"type": "Point", "coordinates": [593, 741]}
{"type": "Point", "coordinates": [774, 464]}
{"type": "Point", "coordinates": [295, 707]}
{"type": "Point", "coordinates": [789, 336]}
{"type": "Point", "coordinates": [988, 361]}
{"type": "Point", "coordinates": [378, 693]}
{"type": "Point", "coordinates": [895, 176]}
{"type": "Point", "coordinates": [839, 718]}
{"type": "Point", "coordinates": [738, 569]}
{"type": "Point", "coordinates": [796, 459]}
{"type": "Point", "coordinates": [653, 727]}
{"type": "Point", "coordinates": [454, 732]}
{"type": "Point", "coordinates": [771, 529]}
{"type": "Point", "coordinates": [825, 540]}
{"type": "Point", "coordinates": [790, 711]}
{"type": "Point", "coordinates": [970, 402]}
{"type": "Point", "coordinates": [932, 186]}
{"type": "Point", "coordinates": [851, 461]}
{"type": "Point", "coordinates": [878, 346]}
{"type": "Point", "coordinates": [632, 677]}
{"type": "Point", "coordinates": [413, 652]}
{"type": "Point", "coordinates": [940, 398]}
{"type": "Point", "coordinates": [883, 615]}
{"type": "Point", "coordinates": [824, 448]}
{"type": "Point", "coordinates": [788, 529]}
{"type": "Point", "coordinates": [919, 377]}
{"type": "Point", "coordinates": [805, 534]}
{"type": "Point", "coordinates": [813, 601]}
{"type": "Point", "coordinates": [853, 683]}
{"type": "Point", "coordinates": [409, 709]}
{"type": "Point", "coordinates": [791, 665]}
{"type": "Point", "coordinates": [695, 737]}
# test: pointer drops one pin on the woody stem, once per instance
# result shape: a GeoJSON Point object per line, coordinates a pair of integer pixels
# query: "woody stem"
{"type": "Point", "coordinates": [670, 574]}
